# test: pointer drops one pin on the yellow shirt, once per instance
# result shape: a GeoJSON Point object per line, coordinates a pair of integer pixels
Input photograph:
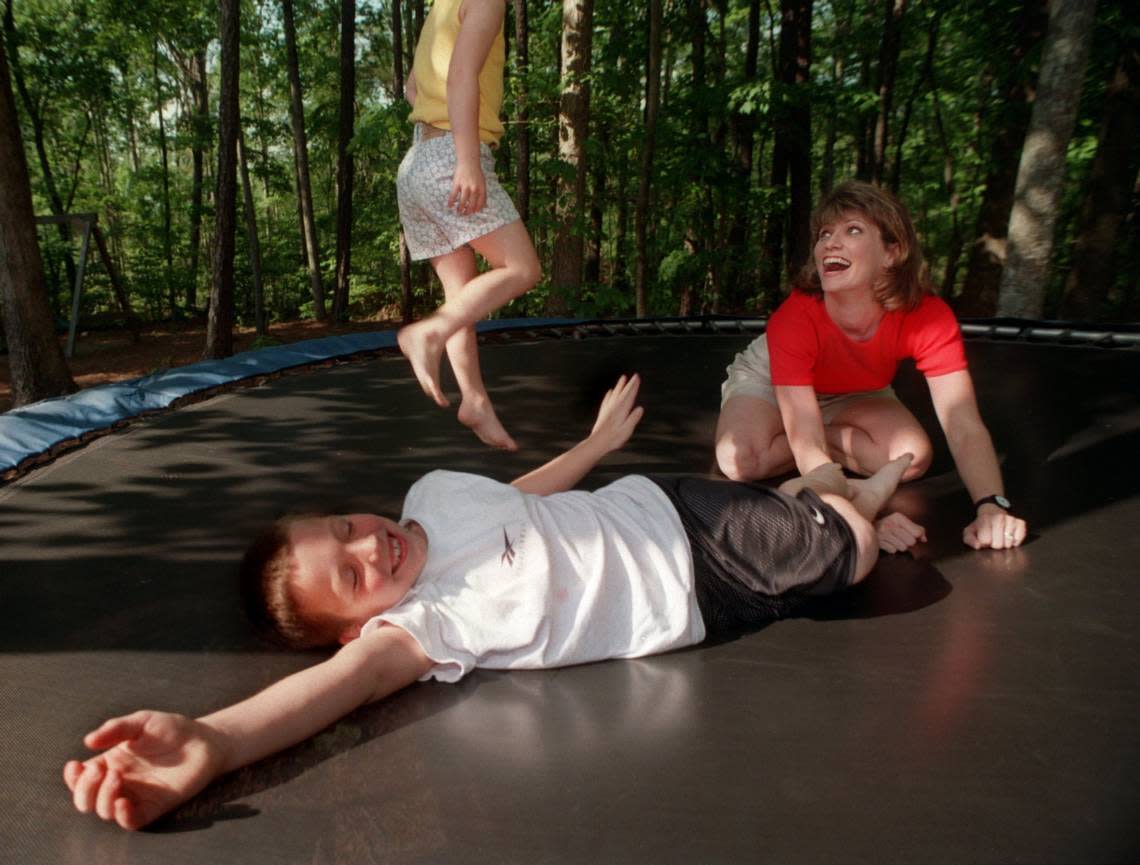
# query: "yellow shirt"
{"type": "Point", "coordinates": [433, 56]}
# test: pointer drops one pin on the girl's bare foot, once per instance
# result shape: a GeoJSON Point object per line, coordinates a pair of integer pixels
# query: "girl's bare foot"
{"type": "Point", "coordinates": [423, 348]}
{"type": "Point", "coordinates": [479, 415]}
{"type": "Point", "coordinates": [870, 494]}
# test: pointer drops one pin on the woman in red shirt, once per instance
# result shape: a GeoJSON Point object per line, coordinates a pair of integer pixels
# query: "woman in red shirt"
{"type": "Point", "coordinates": [816, 388]}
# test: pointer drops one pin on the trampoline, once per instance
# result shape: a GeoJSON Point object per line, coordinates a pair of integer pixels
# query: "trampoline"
{"type": "Point", "coordinates": [958, 706]}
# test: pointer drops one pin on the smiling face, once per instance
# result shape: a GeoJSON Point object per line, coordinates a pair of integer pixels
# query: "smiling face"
{"type": "Point", "coordinates": [850, 254]}
{"type": "Point", "coordinates": [349, 568]}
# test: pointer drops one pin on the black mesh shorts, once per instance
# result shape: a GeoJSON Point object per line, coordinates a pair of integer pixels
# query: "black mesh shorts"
{"type": "Point", "coordinates": [758, 553]}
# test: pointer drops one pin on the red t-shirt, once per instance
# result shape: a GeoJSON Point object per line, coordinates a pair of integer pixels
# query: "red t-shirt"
{"type": "Point", "coordinates": [806, 347]}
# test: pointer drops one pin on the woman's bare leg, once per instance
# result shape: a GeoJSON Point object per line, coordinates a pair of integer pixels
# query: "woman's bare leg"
{"type": "Point", "coordinates": [750, 440]}
{"type": "Point", "coordinates": [869, 433]}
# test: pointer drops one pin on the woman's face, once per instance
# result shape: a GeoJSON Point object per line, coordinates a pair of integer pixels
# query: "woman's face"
{"type": "Point", "coordinates": [850, 254]}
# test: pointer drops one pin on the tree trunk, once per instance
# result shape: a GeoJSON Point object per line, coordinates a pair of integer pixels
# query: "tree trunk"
{"type": "Point", "coordinates": [842, 34]}
{"type": "Point", "coordinates": [593, 265]}
{"type": "Point", "coordinates": [1107, 195]}
{"type": "Point", "coordinates": [791, 150]}
{"type": "Point", "coordinates": [400, 82]}
{"type": "Point", "coordinates": [641, 219]}
{"type": "Point", "coordinates": [117, 288]}
{"type": "Point", "coordinates": [522, 112]}
{"type": "Point", "coordinates": [220, 323]}
{"type": "Point", "coordinates": [888, 65]}
{"type": "Point", "coordinates": [799, 140]}
{"type": "Point", "coordinates": [988, 249]}
{"type": "Point", "coordinates": [924, 77]}
{"type": "Point", "coordinates": [55, 201]}
{"type": "Point", "coordinates": [252, 241]}
{"type": "Point", "coordinates": [200, 88]}
{"type": "Point", "coordinates": [167, 240]}
{"type": "Point", "coordinates": [698, 237]}
{"type": "Point", "coordinates": [738, 255]}
{"type": "Point", "coordinates": [1041, 172]}
{"type": "Point", "coordinates": [35, 360]}
{"type": "Point", "coordinates": [619, 272]}
{"type": "Point", "coordinates": [301, 158]}
{"type": "Point", "coordinates": [573, 129]}
{"type": "Point", "coordinates": [344, 161]}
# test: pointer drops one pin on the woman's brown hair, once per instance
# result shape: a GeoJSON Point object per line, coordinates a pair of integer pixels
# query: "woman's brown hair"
{"type": "Point", "coordinates": [907, 279]}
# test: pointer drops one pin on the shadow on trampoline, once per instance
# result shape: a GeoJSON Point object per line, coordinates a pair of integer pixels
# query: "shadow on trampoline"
{"type": "Point", "coordinates": [956, 706]}
{"type": "Point", "coordinates": [221, 801]}
{"type": "Point", "coordinates": [898, 584]}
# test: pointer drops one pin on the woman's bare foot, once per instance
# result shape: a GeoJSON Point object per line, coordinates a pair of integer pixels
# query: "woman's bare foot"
{"type": "Point", "coordinates": [869, 495]}
{"type": "Point", "coordinates": [479, 415]}
{"type": "Point", "coordinates": [423, 349]}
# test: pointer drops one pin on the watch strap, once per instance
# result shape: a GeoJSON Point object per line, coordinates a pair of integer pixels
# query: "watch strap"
{"type": "Point", "coordinates": [1001, 501]}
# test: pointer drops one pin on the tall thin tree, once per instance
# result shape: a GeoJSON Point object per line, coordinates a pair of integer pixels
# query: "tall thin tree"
{"type": "Point", "coordinates": [652, 104]}
{"type": "Point", "coordinates": [345, 168]}
{"type": "Point", "coordinates": [1041, 172]}
{"type": "Point", "coordinates": [988, 249]}
{"type": "Point", "coordinates": [164, 150]}
{"type": "Point", "coordinates": [889, 48]}
{"type": "Point", "coordinates": [400, 81]}
{"type": "Point", "coordinates": [522, 109]}
{"type": "Point", "coordinates": [573, 127]}
{"type": "Point", "coordinates": [253, 242]}
{"type": "Point", "coordinates": [220, 322]}
{"type": "Point", "coordinates": [1107, 192]}
{"type": "Point", "coordinates": [301, 162]}
{"type": "Point", "coordinates": [35, 359]}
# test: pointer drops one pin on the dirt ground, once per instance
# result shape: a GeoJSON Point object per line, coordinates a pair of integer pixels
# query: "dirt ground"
{"type": "Point", "coordinates": [108, 356]}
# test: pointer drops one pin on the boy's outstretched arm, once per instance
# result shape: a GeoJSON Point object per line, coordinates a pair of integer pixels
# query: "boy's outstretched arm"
{"type": "Point", "coordinates": [617, 418]}
{"type": "Point", "coordinates": [154, 761]}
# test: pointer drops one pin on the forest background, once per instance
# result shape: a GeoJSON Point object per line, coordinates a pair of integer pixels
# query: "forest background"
{"type": "Point", "coordinates": [240, 155]}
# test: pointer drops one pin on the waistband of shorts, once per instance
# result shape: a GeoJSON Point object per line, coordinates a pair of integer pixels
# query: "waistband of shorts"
{"type": "Point", "coordinates": [426, 132]}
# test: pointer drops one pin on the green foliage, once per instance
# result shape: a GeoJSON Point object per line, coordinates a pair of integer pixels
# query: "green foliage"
{"type": "Point", "coordinates": [97, 73]}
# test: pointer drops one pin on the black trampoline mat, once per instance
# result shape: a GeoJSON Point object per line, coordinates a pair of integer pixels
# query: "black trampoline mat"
{"type": "Point", "coordinates": [956, 707]}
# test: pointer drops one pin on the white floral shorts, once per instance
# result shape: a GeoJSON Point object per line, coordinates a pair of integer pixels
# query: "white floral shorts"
{"type": "Point", "coordinates": [423, 183]}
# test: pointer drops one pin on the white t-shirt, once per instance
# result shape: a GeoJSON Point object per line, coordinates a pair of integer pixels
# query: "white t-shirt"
{"type": "Point", "coordinates": [517, 581]}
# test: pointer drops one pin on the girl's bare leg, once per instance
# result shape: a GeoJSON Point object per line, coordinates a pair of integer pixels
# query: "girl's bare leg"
{"type": "Point", "coordinates": [514, 270]}
{"type": "Point", "coordinates": [455, 270]}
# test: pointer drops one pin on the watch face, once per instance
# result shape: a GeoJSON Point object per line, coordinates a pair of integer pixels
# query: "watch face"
{"type": "Point", "coordinates": [1002, 501]}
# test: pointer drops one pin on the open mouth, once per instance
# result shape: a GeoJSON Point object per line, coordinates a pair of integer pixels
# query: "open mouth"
{"type": "Point", "coordinates": [835, 264]}
{"type": "Point", "coordinates": [397, 551]}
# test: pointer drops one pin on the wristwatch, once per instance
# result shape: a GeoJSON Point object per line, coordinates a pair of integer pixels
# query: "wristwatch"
{"type": "Point", "coordinates": [1001, 501]}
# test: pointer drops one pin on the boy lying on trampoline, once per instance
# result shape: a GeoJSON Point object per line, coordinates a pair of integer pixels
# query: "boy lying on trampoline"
{"type": "Point", "coordinates": [484, 574]}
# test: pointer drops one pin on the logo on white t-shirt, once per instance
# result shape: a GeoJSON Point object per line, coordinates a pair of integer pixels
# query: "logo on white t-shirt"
{"type": "Point", "coordinates": [508, 556]}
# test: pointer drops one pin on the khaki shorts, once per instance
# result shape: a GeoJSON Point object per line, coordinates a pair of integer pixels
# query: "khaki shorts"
{"type": "Point", "coordinates": [423, 183]}
{"type": "Point", "coordinates": [750, 374]}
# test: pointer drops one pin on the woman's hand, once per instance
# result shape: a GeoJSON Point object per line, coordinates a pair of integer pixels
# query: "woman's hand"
{"type": "Point", "coordinates": [994, 528]}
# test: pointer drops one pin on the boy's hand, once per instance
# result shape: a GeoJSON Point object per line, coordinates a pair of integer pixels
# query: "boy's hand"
{"type": "Point", "coordinates": [468, 188]}
{"type": "Point", "coordinates": [618, 417]}
{"type": "Point", "coordinates": [155, 761]}
{"type": "Point", "coordinates": [897, 533]}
